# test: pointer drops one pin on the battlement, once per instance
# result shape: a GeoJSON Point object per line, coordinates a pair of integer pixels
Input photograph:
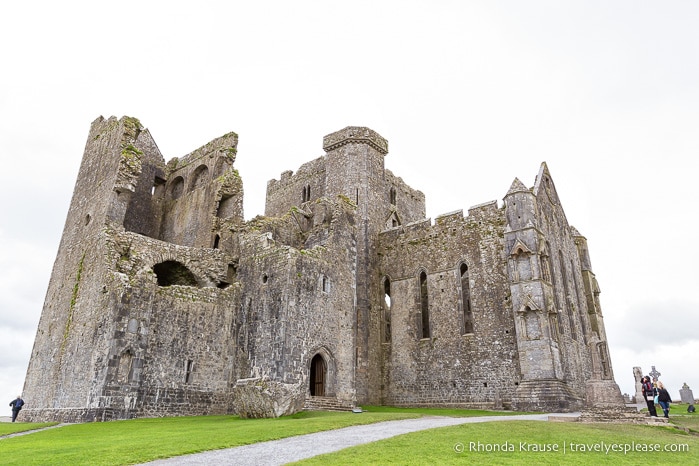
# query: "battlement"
{"type": "Point", "coordinates": [356, 134]}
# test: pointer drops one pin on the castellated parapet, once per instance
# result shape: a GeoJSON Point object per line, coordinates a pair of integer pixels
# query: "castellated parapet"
{"type": "Point", "coordinates": [163, 301]}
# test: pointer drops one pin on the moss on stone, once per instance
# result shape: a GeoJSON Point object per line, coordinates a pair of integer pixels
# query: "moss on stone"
{"type": "Point", "coordinates": [73, 300]}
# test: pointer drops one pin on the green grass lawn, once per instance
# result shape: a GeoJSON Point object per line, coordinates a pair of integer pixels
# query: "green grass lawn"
{"type": "Point", "coordinates": [525, 442]}
{"type": "Point", "coordinates": [141, 440]}
{"type": "Point", "coordinates": [14, 427]}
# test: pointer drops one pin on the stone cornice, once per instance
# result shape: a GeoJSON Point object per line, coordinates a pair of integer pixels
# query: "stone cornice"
{"type": "Point", "coordinates": [355, 134]}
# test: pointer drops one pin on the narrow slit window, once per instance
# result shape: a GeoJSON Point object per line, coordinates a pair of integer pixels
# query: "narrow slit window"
{"type": "Point", "coordinates": [386, 314]}
{"type": "Point", "coordinates": [424, 308]}
{"type": "Point", "coordinates": [466, 300]}
{"type": "Point", "coordinates": [188, 371]}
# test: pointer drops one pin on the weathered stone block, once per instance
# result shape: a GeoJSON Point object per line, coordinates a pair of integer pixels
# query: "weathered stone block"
{"type": "Point", "coordinates": [263, 398]}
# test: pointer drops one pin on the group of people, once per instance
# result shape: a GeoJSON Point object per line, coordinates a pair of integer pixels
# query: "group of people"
{"type": "Point", "coordinates": [655, 393]}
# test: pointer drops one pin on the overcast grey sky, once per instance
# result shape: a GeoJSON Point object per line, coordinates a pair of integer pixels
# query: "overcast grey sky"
{"type": "Point", "coordinates": [469, 94]}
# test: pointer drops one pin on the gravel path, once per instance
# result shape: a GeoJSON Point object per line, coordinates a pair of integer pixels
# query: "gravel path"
{"type": "Point", "coordinates": [290, 449]}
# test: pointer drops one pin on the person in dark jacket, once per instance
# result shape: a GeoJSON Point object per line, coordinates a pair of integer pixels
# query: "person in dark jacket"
{"type": "Point", "coordinates": [663, 398]}
{"type": "Point", "coordinates": [648, 393]}
{"type": "Point", "coordinates": [16, 407]}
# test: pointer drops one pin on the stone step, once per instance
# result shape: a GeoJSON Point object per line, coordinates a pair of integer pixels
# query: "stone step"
{"type": "Point", "coordinates": [326, 403]}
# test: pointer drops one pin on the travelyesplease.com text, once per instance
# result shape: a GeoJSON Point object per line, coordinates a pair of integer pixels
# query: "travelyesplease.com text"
{"type": "Point", "coordinates": [570, 447]}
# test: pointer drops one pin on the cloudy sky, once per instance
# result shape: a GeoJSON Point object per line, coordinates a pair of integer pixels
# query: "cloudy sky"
{"type": "Point", "coordinates": [469, 94]}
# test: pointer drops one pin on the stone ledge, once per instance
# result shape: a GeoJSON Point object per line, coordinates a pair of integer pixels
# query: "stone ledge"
{"type": "Point", "coordinates": [357, 134]}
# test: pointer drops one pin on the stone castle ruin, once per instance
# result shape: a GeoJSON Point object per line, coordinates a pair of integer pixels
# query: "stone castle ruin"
{"type": "Point", "coordinates": [164, 301]}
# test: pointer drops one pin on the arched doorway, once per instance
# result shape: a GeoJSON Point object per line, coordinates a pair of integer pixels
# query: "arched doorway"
{"type": "Point", "coordinates": [319, 370]}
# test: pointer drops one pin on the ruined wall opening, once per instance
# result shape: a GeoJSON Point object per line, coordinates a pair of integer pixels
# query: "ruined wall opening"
{"type": "Point", "coordinates": [392, 195]}
{"type": "Point", "coordinates": [424, 307]}
{"type": "Point", "coordinates": [306, 195]}
{"type": "Point", "coordinates": [174, 273]}
{"type": "Point", "coordinates": [319, 370]}
{"type": "Point", "coordinates": [226, 207]}
{"type": "Point", "coordinates": [466, 300]}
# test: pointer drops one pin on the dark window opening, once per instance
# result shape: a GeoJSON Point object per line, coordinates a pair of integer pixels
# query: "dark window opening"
{"type": "Point", "coordinates": [324, 284]}
{"type": "Point", "coordinates": [424, 309]}
{"type": "Point", "coordinates": [217, 240]}
{"type": "Point", "coordinates": [264, 278]}
{"type": "Point", "coordinates": [392, 195]}
{"type": "Point", "coordinates": [174, 273]}
{"type": "Point", "coordinates": [306, 196]}
{"type": "Point", "coordinates": [188, 371]}
{"type": "Point", "coordinates": [466, 299]}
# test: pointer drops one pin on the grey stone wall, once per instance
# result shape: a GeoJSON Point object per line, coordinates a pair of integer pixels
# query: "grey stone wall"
{"type": "Point", "coordinates": [451, 367]}
{"type": "Point", "coordinates": [289, 189]}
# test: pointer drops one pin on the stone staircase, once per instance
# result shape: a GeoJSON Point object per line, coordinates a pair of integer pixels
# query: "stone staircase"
{"type": "Point", "coordinates": [326, 403]}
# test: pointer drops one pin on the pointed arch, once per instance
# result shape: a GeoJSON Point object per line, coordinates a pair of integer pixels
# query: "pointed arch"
{"type": "Point", "coordinates": [393, 220]}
